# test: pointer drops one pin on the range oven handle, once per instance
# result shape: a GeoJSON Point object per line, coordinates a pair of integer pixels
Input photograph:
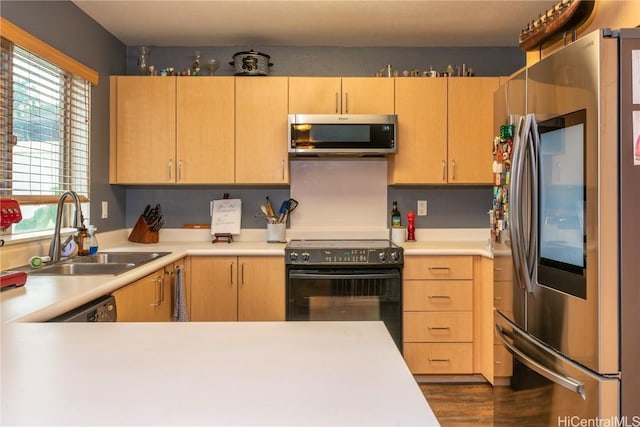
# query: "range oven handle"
{"type": "Point", "coordinates": [300, 274]}
{"type": "Point", "coordinates": [566, 382]}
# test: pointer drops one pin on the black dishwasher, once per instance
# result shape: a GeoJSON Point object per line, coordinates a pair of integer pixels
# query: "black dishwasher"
{"type": "Point", "coordinates": [101, 309]}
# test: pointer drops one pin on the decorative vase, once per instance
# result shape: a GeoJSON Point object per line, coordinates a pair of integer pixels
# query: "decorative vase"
{"type": "Point", "coordinates": [143, 60]}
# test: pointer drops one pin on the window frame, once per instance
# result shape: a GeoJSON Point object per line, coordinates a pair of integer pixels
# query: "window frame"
{"type": "Point", "coordinates": [25, 41]}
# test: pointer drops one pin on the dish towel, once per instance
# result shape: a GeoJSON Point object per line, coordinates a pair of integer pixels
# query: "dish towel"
{"type": "Point", "coordinates": [180, 313]}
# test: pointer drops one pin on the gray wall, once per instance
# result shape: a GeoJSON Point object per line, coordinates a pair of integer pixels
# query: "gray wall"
{"type": "Point", "coordinates": [447, 207]}
{"type": "Point", "coordinates": [67, 28]}
{"type": "Point", "coordinates": [190, 205]}
{"type": "Point", "coordinates": [340, 61]}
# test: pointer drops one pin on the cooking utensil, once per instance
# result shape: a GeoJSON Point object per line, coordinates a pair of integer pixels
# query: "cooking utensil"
{"type": "Point", "coordinates": [152, 215]}
{"type": "Point", "coordinates": [270, 218]}
{"type": "Point", "coordinates": [270, 208]}
{"type": "Point", "coordinates": [251, 63]}
{"type": "Point", "coordinates": [158, 225]}
{"type": "Point", "coordinates": [286, 208]}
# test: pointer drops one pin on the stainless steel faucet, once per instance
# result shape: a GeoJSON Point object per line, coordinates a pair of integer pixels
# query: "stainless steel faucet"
{"type": "Point", "coordinates": [54, 247]}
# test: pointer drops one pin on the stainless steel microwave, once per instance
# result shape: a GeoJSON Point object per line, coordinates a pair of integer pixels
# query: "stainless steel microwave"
{"type": "Point", "coordinates": [355, 135]}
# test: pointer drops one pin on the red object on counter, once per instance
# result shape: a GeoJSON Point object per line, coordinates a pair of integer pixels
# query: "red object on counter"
{"type": "Point", "coordinates": [9, 213]}
{"type": "Point", "coordinates": [411, 227]}
{"type": "Point", "coordinates": [12, 279]}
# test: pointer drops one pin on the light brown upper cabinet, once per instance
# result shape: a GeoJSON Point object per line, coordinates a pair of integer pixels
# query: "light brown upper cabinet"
{"type": "Point", "coordinates": [341, 95]}
{"type": "Point", "coordinates": [205, 133]}
{"type": "Point", "coordinates": [261, 130]}
{"type": "Point", "coordinates": [421, 106]}
{"type": "Point", "coordinates": [445, 131]}
{"type": "Point", "coordinates": [142, 129]}
{"type": "Point", "coordinates": [168, 130]}
{"type": "Point", "coordinates": [470, 129]}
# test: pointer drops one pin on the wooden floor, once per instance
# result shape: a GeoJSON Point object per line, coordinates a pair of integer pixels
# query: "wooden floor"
{"type": "Point", "coordinates": [461, 404]}
{"type": "Point", "coordinates": [480, 404]}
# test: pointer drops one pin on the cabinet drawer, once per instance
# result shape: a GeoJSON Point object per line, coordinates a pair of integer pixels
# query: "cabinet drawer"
{"type": "Point", "coordinates": [454, 358]}
{"type": "Point", "coordinates": [502, 268]}
{"type": "Point", "coordinates": [438, 267]}
{"type": "Point", "coordinates": [503, 296]}
{"type": "Point", "coordinates": [437, 295]}
{"type": "Point", "coordinates": [432, 326]}
{"type": "Point", "coordinates": [503, 361]}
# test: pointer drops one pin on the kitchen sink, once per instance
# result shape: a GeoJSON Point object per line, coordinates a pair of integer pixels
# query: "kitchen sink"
{"type": "Point", "coordinates": [137, 258]}
{"type": "Point", "coordinates": [102, 263]}
{"type": "Point", "coordinates": [82, 269]}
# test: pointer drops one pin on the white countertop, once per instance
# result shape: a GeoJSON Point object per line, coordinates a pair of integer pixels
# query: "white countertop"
{"type": "Point", "coordinates": [231, 374]}
{"type": "Point", "coordinates": [447, 247]}
{"type": "Point", "coordinates": [44, 297]}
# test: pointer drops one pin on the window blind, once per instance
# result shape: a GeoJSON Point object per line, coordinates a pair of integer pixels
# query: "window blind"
{"type": "Point", "coordinates": [45, 128]}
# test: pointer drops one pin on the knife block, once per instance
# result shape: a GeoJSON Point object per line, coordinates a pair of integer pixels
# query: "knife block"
{"type": "Point", "coordinates": [142, 233]}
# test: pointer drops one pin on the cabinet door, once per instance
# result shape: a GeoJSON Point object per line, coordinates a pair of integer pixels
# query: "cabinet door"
{"type": "Point", "coordinates": [145, 130]}
{"type": "Point", "coordinates": [142, 300]}
{"type": "Point", "coordinates": [470, 129]}
{"type": "Point", "coordinates": [367, 95]}
{"type": "Point", "coordinates": [205, 142]}
{"type": "Point", "coordinates": [261, 293]}
{"type": "Point", "coordinates": [214, 290]}
{"type": "Point", "coordinates": [315, 95]}
{"type": "Point", "coordinates": [421, 158]}
{"type": "Point", "coordinates": [261, 130]}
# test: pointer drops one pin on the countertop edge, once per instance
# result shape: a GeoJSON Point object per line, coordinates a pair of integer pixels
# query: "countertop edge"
{"type": "Point", "coordinates": [104, 285]}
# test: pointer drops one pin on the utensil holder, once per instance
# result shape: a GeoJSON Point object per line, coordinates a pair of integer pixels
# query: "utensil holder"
{"type": "Point", "coordinates": [276, 233]}
{"type": "Point", "coordinates": [142, 233]}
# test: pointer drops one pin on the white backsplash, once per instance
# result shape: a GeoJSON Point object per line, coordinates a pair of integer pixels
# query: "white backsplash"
{"type": "Point", "coordinates": [341, 195]}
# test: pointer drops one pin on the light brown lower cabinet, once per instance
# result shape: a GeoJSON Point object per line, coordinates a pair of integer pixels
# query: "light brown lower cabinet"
{"type": "Point", "coordinates": [229, 288]}
{"type": "Point", "coordinates": [439, 358]}
{"type": "Point", "coordinates": [503, 301]}
{"type": "Point", "coordinates": [149, 299]}
{"type": "Point", "coordinates": [447, 319]}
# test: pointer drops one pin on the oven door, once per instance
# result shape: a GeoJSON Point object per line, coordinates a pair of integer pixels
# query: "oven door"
{"type": "Point", "coordinates": [347, 294]}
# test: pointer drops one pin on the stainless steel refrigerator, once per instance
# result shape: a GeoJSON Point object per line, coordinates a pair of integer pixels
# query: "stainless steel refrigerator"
{"type": "Point", "coordinates": [567, 205]}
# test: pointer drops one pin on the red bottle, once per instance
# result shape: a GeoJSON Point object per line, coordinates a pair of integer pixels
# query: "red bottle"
{"type": "Point", "coordinates": [411, 227]}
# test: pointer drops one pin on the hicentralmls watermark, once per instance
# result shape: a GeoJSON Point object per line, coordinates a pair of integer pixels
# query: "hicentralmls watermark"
{"type": "Point", "coordinates": [575, 421]}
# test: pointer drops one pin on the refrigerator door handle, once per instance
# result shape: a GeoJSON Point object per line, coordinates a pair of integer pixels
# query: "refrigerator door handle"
{"type": "Point", "coordinates": [525, 160]}
{"type": "Point", "coordinates": [514, 194]}
{"type": "Point", "coordinates": [518, 246]}
{"type": "Point", "coordinates": [533, 144]}
{"type": "Point", "coordinates": [564, 381]}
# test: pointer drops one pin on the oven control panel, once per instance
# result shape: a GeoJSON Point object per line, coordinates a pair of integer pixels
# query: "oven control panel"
{"type": "Point", "coordinates": [344, 256]}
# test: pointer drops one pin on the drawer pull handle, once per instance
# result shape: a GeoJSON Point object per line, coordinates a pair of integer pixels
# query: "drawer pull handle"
{"type": "Point", "coordinates": [439, 328]}
{"type": "Point", "coordinates": [432, 360]}
{"type": "Point", "coordinates": [439, 297]}
{"type": "Point", "coordinates": [497, 299]}
{"type": "Point", "coordinates": [437, 269]}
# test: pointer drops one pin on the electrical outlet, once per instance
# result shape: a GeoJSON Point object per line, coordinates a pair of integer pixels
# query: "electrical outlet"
{"type": "Point", "coordinates": [422, 208]}
{"type": "Point", "coordinates": [105, 209]}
